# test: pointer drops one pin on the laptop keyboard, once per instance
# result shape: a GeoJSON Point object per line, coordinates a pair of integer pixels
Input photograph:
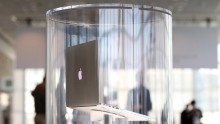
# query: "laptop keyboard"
{"type": "Point", "coordinates": [97, 112]}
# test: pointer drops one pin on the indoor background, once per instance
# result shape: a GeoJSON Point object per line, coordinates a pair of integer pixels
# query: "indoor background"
{"type": "Point", "coordinates": [196, 55]}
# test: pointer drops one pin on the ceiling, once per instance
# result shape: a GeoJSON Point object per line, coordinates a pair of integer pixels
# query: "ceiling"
{"type": "Point", "coordinates": [14, 13]}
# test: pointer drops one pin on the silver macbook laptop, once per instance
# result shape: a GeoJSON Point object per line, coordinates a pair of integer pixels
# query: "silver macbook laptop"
{"type": "Point", "coordinates": [84, 92]}
{"type": "Point", "coordinates": [82, 81]}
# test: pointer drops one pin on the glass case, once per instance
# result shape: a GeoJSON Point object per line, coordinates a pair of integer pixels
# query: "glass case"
{"type": "Point", "coordinates": [115, 55]}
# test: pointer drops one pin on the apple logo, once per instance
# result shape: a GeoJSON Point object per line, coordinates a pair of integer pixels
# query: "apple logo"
{"type": "Point", "coordinates": [80, 74]}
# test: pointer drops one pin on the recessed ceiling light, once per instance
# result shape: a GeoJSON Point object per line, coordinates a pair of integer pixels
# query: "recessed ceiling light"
{"type": "Point", "coordinates": [14, 18]}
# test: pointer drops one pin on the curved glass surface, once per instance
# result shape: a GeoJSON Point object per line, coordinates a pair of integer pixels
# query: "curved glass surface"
{"type": "Point", "coordinates": [121, 53]}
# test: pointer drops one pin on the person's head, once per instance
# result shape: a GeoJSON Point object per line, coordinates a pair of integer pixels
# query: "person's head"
{"type": "Point", "coordinates": [140, 78]}
{"type": "Point", "coordinates": [193, 103]}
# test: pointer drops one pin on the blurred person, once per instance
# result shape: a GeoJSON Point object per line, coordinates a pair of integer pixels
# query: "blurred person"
{"type": "Point", "coordinates": [185, 115]}
{"type": "Point", "coordinates": [195, 113]}
{"type": "Point", "coordinates": [39, 95]}
{"type": "Point", "coordinates": [139, 99]}
{"type": "Point", "coordinates": [6, 115]}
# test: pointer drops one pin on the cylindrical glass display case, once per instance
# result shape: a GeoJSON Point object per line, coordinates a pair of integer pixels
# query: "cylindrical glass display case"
{"type": "Point", "coordinates": [114, 57]}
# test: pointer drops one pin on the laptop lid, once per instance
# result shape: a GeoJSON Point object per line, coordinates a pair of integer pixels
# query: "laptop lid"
{"type": "Point", "coordinates": [82, 86]}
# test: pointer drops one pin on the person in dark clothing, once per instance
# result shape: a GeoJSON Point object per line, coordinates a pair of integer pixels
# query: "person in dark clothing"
{"type": "Point", "coordinates": [139, 99]}
{"type": "Point", "coordinates": [185, 116]}
{"type": "Point", "coordinates": [39, 95]}
{"type": "Point", "coordinates": [195, 114]}
{"type": "Point", "coordinates": [6, 115]}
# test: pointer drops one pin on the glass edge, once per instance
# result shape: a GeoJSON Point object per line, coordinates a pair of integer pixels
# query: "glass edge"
{"type": "Point", "coordinates": [146, 7]}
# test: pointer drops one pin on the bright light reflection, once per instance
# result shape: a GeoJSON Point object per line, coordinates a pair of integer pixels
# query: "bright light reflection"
{"type": "Point", "coordinates": [32, 78]}
{"type": "Point", "coordinates": [4, 99]}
